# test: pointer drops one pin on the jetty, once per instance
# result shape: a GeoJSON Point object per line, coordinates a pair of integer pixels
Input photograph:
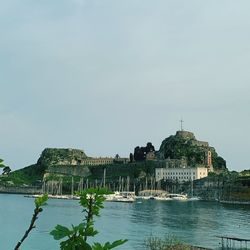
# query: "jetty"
{"type": "Point", "coordinates": [231, 242]}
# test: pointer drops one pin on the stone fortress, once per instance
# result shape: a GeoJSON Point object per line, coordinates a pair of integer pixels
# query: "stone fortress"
{"type": "Point", "coordinates": [189, 136]}
{"type": "Point", "coordinates": [180, 157]}
{"type": "Point", "coordinates": [179, 169]}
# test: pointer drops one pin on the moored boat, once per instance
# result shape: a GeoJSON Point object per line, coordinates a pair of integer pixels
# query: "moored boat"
{"type": "Point", "coordinates": [121, 197]}
{"type": "Point", "coordinates": [178, 197]}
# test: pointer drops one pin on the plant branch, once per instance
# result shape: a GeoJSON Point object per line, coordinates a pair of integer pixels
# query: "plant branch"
{"type": "Point", "coordinates": [40, 201]}
{"type": "Point", "coordinates": [37, 210]}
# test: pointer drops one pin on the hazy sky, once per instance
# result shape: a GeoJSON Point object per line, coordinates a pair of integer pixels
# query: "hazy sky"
{"type": "Point", "coordinates": [108, 75]}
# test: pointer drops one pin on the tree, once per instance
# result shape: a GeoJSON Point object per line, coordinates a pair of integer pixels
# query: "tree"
{"type": "Point", "coordinates": [1, 164]}
{"type": "Point", "coordinates": [131, 157]}
{"type": "Point", "coordinates": [6, 170]}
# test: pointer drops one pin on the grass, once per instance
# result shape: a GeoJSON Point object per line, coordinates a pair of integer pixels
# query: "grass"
{"type": "Point", "coordinates": [169, 242]}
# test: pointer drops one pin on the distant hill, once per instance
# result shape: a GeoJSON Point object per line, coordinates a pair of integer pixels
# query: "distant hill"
{"type": "Point", "coordinates": [184, 145]}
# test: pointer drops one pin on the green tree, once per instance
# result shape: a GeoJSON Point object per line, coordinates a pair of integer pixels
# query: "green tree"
{"type": "Point", "coordinates": [92, 201]}
{"type": "Point", "coordinates": [1, 164]}
{"type": "Point", "coordinates": [6, 170]}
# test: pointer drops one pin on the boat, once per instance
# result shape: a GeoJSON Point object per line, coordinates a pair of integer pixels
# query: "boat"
{"type": "Point", "coordinates": [194, 198]}
{"type": "Point", "coordinates": [121, 196]}
{"type": "Point", "coordinates": [178, 197]}
{"type": "Point", "coordinates": [50, 196]}
{"type": "Point", "coordinates": [162, 198]}
{"type": "Point", "coordinates": [151, 194]}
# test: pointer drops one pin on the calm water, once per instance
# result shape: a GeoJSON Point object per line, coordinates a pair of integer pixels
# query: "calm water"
{"type": "Point", "coordinates": [193, 222]}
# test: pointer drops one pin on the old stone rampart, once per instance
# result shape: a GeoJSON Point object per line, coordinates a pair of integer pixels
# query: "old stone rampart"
{"type": "Point", "coordinates": [20, 190]}
{"type": "Point", "coordinates": [82, 171]}
{"type": "Point", "coordinates": [200, 143]}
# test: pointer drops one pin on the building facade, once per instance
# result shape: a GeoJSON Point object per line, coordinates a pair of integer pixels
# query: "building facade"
{"type": "Point", "coordinates": [97, 161]}
{"type": "Point", "coordinates": [180, 174]}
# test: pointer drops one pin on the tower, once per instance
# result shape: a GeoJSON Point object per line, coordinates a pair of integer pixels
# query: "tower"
{"type": "Point", "coordinates": [208, 160]}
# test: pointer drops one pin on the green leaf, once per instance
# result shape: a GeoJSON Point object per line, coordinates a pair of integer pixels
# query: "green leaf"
{"type": "Point", "coordinates": [108, 245]}
{"type": "Point", "coordinates": [78, 228]}
{"type": "Point", "coordinates": [90, 231]}
{"type": "Point", "coordinates": [117, 243]}
{"type": "Point", "coordinates": [97, 246]}
{"type": "Point", "coordinates": [60, 232]}
{"type": "Point", "coordinates": [40, 201]}
{"type": "Point", "coordinates": [75, 243]}
{"type": "Point", "coordinates": [1, 164]}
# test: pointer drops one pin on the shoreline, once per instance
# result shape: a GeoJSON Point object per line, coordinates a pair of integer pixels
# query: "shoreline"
{"type": "Point", "coordinates": [30, 191]}
{"type": "Point", "coordinates": [235, 202]}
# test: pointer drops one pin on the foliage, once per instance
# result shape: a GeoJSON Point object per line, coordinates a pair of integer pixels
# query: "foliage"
{"type": "Point", "coordinates": [170, 242]}
{"type": "Point", "coordinates": [39, 202]}
{"type": "Point", "coordinates": [6, 170]}
{"type": "Point", "coordinates": [92, 202]}
{"type": "Point", "coordinates": [219, 162]}
{"type": "Point", "coordinates": [31, 175]}
{"type": "Point", "coordinates": [245, 172]}
{"type": "Point", "coordinates": [1, 164]}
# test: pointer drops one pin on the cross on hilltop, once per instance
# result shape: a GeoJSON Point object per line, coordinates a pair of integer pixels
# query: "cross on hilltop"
{"type": "Point", "coordinates": [181, 121]}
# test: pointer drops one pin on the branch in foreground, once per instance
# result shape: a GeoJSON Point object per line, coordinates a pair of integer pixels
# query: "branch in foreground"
{"type": "Point", "coordinates": [39, 202]}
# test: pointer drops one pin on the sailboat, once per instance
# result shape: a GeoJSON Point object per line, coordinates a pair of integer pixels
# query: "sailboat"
{"type": "Point", "coordinates": [192, 197]}
{"type": "Point", "coordinates": [121, 195]}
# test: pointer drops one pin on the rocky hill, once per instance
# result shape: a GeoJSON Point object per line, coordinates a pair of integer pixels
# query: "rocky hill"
{"type": "Point", "coordinates": [62, 160]}
{"type": "Point", "coordinates": [184, 145]}
{"type": "Point", "coordinates": [61, 156]}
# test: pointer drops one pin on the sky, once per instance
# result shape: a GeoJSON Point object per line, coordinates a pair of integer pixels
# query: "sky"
{"type": "Point", "coordinates": [106, 76]}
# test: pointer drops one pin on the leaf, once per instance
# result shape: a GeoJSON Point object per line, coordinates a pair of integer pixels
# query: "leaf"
{"type": "Point", "coordinates": [107, 245]}
{"type": "Point", "coordinates": [78, 228]}
{"type": "Point", "coordinates": [90, 231]}
{"type": "Point", "coordinates": [75, 243]}
{"type": "Point", "coordinates": [97, 246]}
{"type": "Point", "coordinates": [60, 232]}
{"type": "Point", "coordinates": [117, 243]}
{"type": "Point", "coordinates": [40, 201]}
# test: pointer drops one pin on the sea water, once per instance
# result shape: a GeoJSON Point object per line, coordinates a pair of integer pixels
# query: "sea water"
{"type": "Point", "coordinates": [195, 222]}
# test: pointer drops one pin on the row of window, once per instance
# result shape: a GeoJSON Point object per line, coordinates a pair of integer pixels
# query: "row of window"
{"type": "Point", "coordinates": [96, 162]}
{"type": "Point", "coordinates": [176, 173]}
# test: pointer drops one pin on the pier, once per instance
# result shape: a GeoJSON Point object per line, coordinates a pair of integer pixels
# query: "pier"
{"type": "Point", "coordinates": [230, 242]}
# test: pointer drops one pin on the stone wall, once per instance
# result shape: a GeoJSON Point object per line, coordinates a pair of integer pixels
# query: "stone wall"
{"type": "Point", "coordinates": [82, 171]}
{"type": "Point", "coordinates": [186, 135]}
{"type": "Point", "coordinates": [219, 189]}
{"type": "Point", "coordinates": [200, 143]}
{"type": "Point", "coordinates": [21, 190]}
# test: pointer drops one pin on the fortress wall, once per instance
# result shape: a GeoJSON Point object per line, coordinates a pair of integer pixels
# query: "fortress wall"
{"type": "Point", "coordinates": [200, 143]}
{"type": "Point", "coordinates": [69, 170]}
{"type": "Point", "coordinates": [185, 134]}
{"type": "Point", "coordinates": [20, 190]}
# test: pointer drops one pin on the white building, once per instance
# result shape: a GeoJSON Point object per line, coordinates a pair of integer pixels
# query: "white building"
{"type": "Point", "coordinates": [180, 174]}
